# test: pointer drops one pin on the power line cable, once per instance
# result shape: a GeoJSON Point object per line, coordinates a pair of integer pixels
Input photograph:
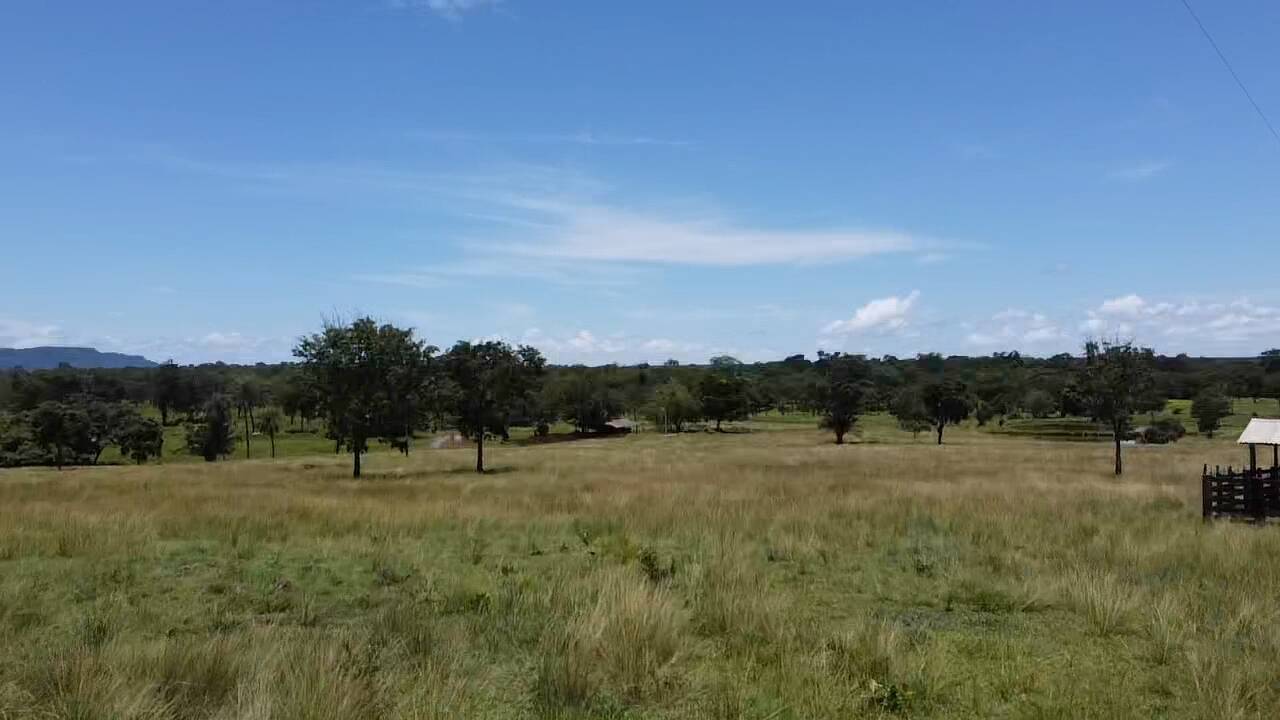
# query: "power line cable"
{"type": "Point", "coordinates": [1232, 70]}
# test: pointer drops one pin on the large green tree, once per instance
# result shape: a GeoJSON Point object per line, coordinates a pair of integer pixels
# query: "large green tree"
{"type": "Point", "coordinates": [167, 390]}
{"type": "Point", "coordinates": [947, 402]}
{"type": "Point", "coordinates": [723, 396]}
{"type": "Point", "coordinates": [1117, 380]}
{"type": "Point", "coordinates": [212, 434]}
{"type": "Point", "coordinates": [490, 379]}
{"type": "Point", "coordinates": [1209, 408]}
{"type": "Point", "coordinates": [909, 409]}
{"type": "Point", "coordinates": [139, 438]}
{"type": "Point", "coordinates": [360, 373]}
{"type": "Point", "coordinates": [847, 390]}
{"type": "Point", "coordinates": [672, 407]}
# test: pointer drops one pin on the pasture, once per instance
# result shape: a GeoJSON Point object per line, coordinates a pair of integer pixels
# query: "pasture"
{"type": "Point", "coordinates": [760, 574]}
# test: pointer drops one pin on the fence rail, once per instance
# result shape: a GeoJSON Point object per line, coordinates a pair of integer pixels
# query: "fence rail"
{"type": "Point", "coordinates": [1244, 494]}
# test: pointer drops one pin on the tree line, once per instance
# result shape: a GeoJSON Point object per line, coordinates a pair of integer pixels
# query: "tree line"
{"type": "Point", "coordinates": [364, 382]}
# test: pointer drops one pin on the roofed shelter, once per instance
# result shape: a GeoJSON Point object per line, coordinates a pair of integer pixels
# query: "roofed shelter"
{"type": "Point", "coordinates": [1252, 492]}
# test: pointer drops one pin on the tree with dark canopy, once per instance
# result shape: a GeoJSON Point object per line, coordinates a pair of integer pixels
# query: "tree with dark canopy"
{"type": "Point", "coordinates": [847, 391]}
{"type": "Point", "coordinates": [723, 396]}
{"type": "Point", "coordinates": [270, 424]}
{"type": "Point", "coordinates": [140, 438]}
{"type": "Point", "coordinates": [213, 434]}
{"type": "Point", "coordinates": [359, 373]}
{"type": "Point", "coordinates": [947, 402]}
{"type": "Point", "coordinates": [489, 380]}
{"type": "Point", "coordinates": [1117, 380]}
{"type": "Point", "coordinates": [672, 406]}
{"type": "Point", "coordinates": [909, 409]}
{"type": "Point", "coordinates": [167, 390]}
{"type": "Point", "coordinates": [1209, 408]}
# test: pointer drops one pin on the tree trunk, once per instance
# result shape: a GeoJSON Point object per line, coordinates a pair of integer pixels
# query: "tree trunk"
{"type": "Point", "coordinates": [355, 469]}
{"type": "Point", "coordinates": [253, 425]}
{"type": "Point", "coordinates": [839, 437]}
{"type": "Point", "coordinates": [164, 415]}
{"type": "Point", "coordinates": [273, 445]}
{"type": "Point", "coordinates": [718, 425]}
{"type": "Point", "coordinates": [940, 428]}
{"type": "Point", "coordinates": [1119, 463]}
{"type": "Point", "coordinates": [480, 451]}
{"type": "Point", "coordinates": [246, 438]}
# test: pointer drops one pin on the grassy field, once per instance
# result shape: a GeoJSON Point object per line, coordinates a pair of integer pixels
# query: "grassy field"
{"type": "Point", "coordinates": [761, 574]}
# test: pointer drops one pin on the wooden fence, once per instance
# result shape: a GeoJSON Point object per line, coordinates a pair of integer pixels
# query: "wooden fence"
{"type": "Point", "coordinates": [1243, 494]}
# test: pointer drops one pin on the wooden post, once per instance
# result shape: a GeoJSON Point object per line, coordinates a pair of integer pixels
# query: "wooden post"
{"type": "Point", "coordinates": [1206, 498]}
{"type": "Point", "coordinates": [1254, 482]}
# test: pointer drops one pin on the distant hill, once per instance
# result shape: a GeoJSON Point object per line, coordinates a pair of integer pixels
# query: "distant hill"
{"type": "Point", "coordinates": [45, 358]}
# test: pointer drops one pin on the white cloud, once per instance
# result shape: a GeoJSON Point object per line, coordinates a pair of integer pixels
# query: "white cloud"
{"type": "Point", "coordinates": [1141, 171]}
{"type": "Point", "coordinates": [603, 233]}
{"type": "Point", "coordinates": [223, 341]}
{"type": "Point", "coordinates": [581, 137]}
{"type": "Point", "coordinates": [550, 220]}
{"type": "Point", "coordinates": [451, 9]}
{"type": "Point", "coordinates": [16, 333]}
{"type": "Point", "coordinates": [889, 313]}
{"type": "Point", "coordinates": [1016, 328]}
{"type": "Point", "coordinates": [1127, 306]}
{"type": "Point", "coordinates": [1214, 326]}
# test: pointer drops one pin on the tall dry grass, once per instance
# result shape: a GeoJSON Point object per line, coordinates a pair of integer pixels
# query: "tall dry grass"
{"type": "Point", "coordinates": [736, 576]}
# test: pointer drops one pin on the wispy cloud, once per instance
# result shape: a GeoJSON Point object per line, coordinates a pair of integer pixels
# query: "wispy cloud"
{"type": "Point", "coordinates": [1141, 171]}
{"type": "Point", "coordinates": [15, 333]}
{"type": "Point", "coordinates": [450, 9]}
{"type": "Point", "coordinates": [1223, 326]}
{"type": "Point", "coordinates": [1017, 328]}
{"type": "Point", "coordinates": [482, 264]}
{"type": "Point", "coordinates": [581, 137]}
{"type": "Point", "coordinates": [553, 219]}
{"type": "Point", "coordinates": [601, 232]}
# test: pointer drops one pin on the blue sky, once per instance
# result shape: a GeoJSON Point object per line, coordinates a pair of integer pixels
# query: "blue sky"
{"type": "Point", "coordinates": [632, 181]}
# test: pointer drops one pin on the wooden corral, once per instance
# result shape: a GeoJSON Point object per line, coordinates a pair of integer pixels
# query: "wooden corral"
{"type": "Point", "coordinates": [1250, 493]}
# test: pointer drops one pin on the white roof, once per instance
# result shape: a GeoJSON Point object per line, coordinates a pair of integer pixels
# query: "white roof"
{"type": "Point", "coordinates": [1261, 432]}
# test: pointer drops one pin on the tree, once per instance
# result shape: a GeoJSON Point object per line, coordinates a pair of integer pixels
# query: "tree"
{"type": "Point", "coordinates": [1039, 403]}
{"type": "Point", "coordinates": [53, 428]}
{"type": "Point", "coordinates": [1270, 360]}
{"type": "Point", "coordinates": [1116, 378]}
{"type": "Point", "coordinates": [489, 380]}
{"type": "Point", "coordinates": [584, 399]}
{"type": "Point", "coordinates": [848, 385]}
{"type": "Point", "coordinates": [672, 406]}
{"type": "Point", "coordinates": [248, 396]}
{"type": "Point", "coordinates": [269, 424]}
{"type": "Point", "coordinates": [910, 411]}
{"type": "Point", "coordinates": [359, 373]}
{"type": "Point", "coordinates": [140, 438]}
{"type": "Point", "coordinates": [214, 434]}
{"type": "Point", "coordinates": [1209, 409]}
{"type": "Point", "coordinates": [947, 403]}
{"type": "Point", "coordinates": [166, 390]}
{"type": "Point", "coordinates": [102, 419]}
{"type": "Point", "coordinates": [723, 397]}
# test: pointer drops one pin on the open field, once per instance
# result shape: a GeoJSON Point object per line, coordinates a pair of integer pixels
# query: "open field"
{"type": "Point", "coordinates": [761, 575]}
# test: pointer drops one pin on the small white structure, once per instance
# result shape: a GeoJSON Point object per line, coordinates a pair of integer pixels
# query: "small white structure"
{"type": "Point", "coordinates": [1250, 493]}
{"type": "Point", "coordinates": [1261, 432]}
